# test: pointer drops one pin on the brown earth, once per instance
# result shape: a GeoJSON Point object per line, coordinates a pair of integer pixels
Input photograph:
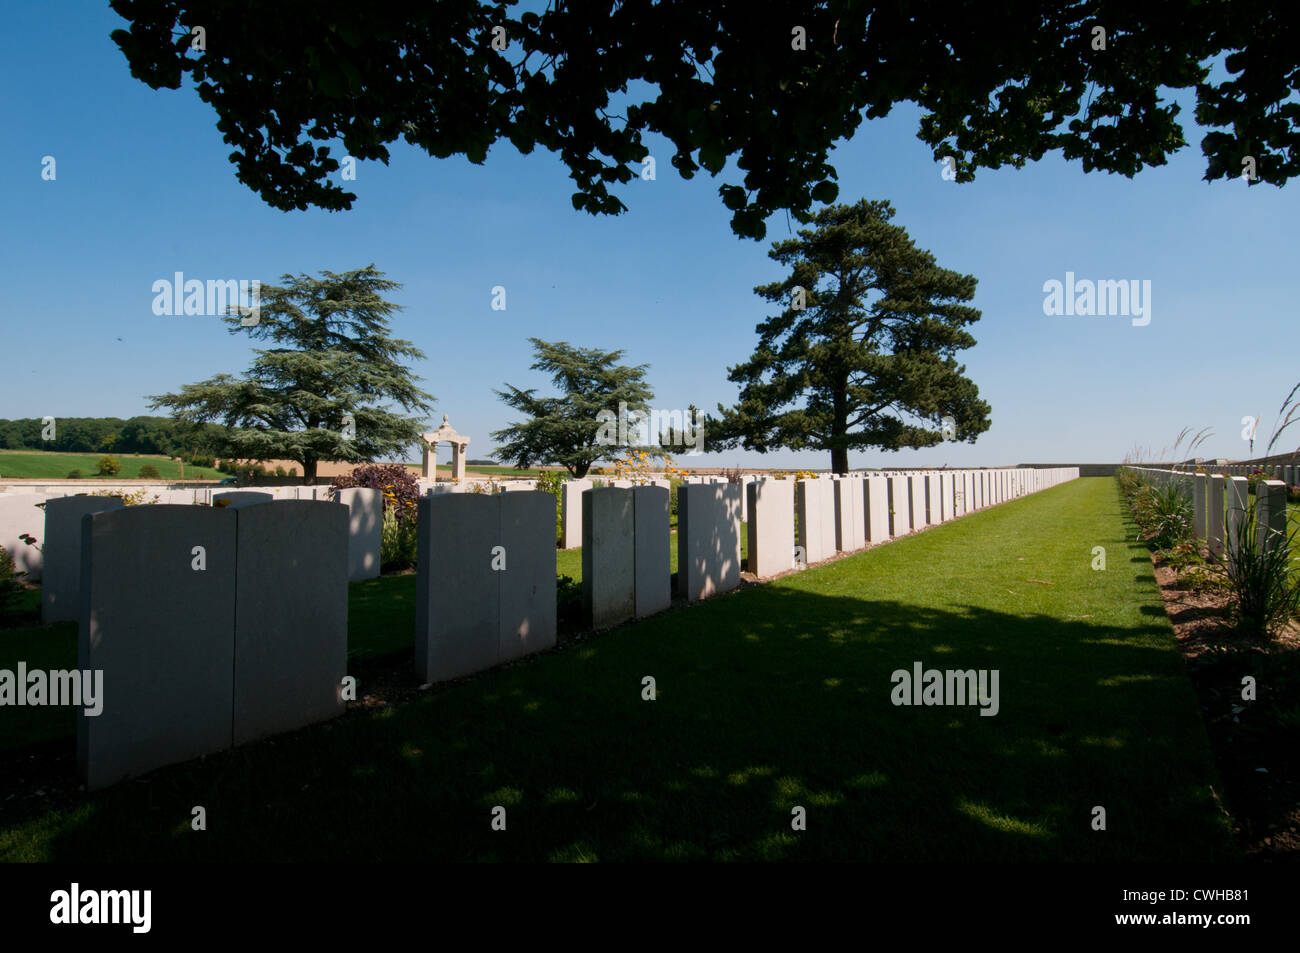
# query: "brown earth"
{"type": "Point", "coordinates": [1256, 744]}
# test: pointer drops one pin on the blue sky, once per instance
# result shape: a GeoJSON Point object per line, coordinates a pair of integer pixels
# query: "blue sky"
{"type": "Point", "coordinates": [144, 189]}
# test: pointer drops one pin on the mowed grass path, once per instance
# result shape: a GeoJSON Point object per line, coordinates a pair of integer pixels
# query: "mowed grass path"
{"type": "Point", "coordinates": [770, 698]}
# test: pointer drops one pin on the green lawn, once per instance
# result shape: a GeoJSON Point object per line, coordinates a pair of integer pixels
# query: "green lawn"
{"type": "Point", "coordinates": [772, 697]}
{"type": "Point", "coordinates": [504, 473]}
{"type": "Point", "coordinates": [44, 465]}
{"type": "Point", "coordinates": [568, 562]}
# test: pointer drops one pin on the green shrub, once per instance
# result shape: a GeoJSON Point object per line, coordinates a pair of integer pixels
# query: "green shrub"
{"type": "Point", "coordinates": [279, 471]}
{"type": "Point", "coordinates": [552, 481]}
{"type": "Point", "coordinates": [568, 600]}
{"type": "Point", "coordinates": [398, 485]}
{"type": "Point", "coordinates": [1129, 482]}
{"type": "Point", "coordinates": [74, 475]}
{"type": "Point", "coordinates": [10, 587]}
{"type": "Point", "coordinates": [1266, 585]}
{"type": "Point", "coordinates": [1183, 556]}
{"type": "Point", "coordinates": [1164, 514]}
{"type": "Point", "coordinates": [397, 542]}
{"type": "Point", "coordinates": [673, 484]}
{"type": "Point", "coordinates": [150, 472]}
{"type": "Point", "coordinates": [109, 466]}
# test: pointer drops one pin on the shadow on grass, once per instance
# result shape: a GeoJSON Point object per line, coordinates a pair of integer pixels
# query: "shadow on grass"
{"type": "Point", "coordinates": [768, 699]}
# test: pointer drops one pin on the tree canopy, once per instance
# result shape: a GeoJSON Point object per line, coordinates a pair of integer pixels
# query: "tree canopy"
{"type": "Point", "coordinates": [574, 428]}
{"type": "Point", "coordinates": [772, 84]}
{"type": "Point", "coordinates": [161, 435]}
{"type": "Point", "coordinates": [862, 352]}
{"type": "Point", "coordinates": [326, 396]}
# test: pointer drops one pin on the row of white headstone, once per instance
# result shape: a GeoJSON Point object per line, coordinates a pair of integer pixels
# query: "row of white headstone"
{"type": "Point", "coordinates": [1288, 474]}
{"type": "Point", "coordinates": [623, 532]}
{"type": "Point", "coordinates": [1222, 503]}
{"type": "Point", "coordinates": [54, 521]}
{"type": "Point", "coordinates": [217, 625]}
{"type": "Point", "coordinates": [963, 490]}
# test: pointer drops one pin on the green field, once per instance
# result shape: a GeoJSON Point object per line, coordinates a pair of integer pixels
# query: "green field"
{"type": "Point", "coordinates": [774, 697]}
{"type": "Point", "coordinates": [504, 473]}
{"type": "Point", "coordinates": [44, 465]}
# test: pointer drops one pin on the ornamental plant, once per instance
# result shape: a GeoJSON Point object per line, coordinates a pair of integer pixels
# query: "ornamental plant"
{"type": "Point", "coordinates": [400, 489]}
{"type": "Point", "coordinates": [640, 467]}
{"type": "Point", "coordinates": [1264, 578]}
{"type": "Point", "coordinates": [398, 542]}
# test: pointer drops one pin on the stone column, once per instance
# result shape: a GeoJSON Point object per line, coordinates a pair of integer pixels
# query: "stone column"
{"type": "Point", "coordinates": [1238, 495]}
{"type": "Point", "coordinates": [1199, 502]}
{"type": "Point", "coordinates": [843, 518]}
{"type": "Point", "coordinates": [145, 601]}
{"type": "Point", "coordinates": [571, 513]}
{"type": "Point", "coordinates": [815, 502]}
{"type": "Point", "coordinates": [708, 540]}
{"type": "Point", "coordinates": [291, 616]}
{"type": "Point", "coordinates": [651, 537]}
{"type": "Point", "coordinates": [770, 527]}
{"type": "Point", "coordinates": [608, 557]}
{"type": "Point", "coordinates": [1214, 515]}
{"type": "Point", "coordinates": [457, 592]}
{"type": "Point", "coordinates": [485, 581]}
{"type": "Point", "coordinates": [916, 492]}
{"type": "Point", "coordinates": [850, 523]}
{"type": "Point", "coordinates": [1270, 515]}
{"type": "Point", "coordinates": [745, 481]}
{"type": "Point", "coordinates": [62, 551]}
{"type": "Point", "coordinates": [875, 497]}
{"type": "Point", "coordinates": [933, 498]}
{"type": "Point", "coordinates": [900, 506]}
{"type": "Point", "coordinates": [365, 528]}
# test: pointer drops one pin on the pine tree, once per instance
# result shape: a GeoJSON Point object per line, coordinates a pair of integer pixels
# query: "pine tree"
{"type": "Point", "coordinates": [323, 392]}
{"type": "Point", "coordinates": [571, 430]}
{"type": "Point", "coordinates": [862, 354]}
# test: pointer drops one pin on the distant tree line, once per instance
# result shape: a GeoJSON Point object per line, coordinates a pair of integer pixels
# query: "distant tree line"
{"type": "Point", "coordinates": [162, 435]}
